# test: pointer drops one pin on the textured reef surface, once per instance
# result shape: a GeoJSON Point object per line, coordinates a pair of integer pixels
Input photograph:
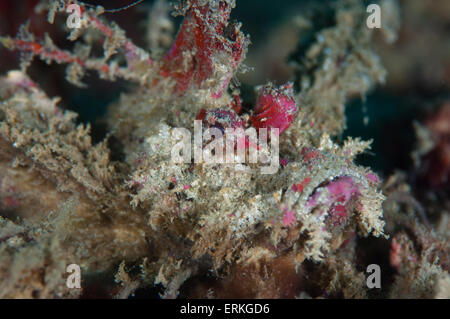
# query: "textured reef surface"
{"type": "Point", "coordinates": [140, 224]}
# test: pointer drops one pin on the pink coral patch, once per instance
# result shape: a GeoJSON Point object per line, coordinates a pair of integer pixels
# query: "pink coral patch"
{"type": "Point", "coordinates": [372, 177]}
{"type": "Point", "coordinates": [299, 187]}
{"type": "Point", "coordinates": [288, 218]}
{"type": "Point", "coordinates": [343, 189]}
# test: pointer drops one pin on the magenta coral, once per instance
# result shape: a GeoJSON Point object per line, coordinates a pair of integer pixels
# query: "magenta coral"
{"type": "Point", "coordinates": [275, 108]}
{"type": "Point", "coordinates": [338, 198]}
{"type": "Point", "coordinates": [288, 218]}
{"type": "Point", "coordinates": [206, 34]}
{"type": "Point", "coordinates": [342, 189]}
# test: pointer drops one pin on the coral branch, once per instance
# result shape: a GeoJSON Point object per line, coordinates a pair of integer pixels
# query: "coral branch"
{"type": "Point", "coordinates": [207, 47]}
{"type": "Point", "coordinates": [78, 62]}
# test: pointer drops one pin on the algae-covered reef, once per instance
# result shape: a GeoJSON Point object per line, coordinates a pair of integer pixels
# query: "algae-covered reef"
{"type": "Point", "coordinates": [138, 222]}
